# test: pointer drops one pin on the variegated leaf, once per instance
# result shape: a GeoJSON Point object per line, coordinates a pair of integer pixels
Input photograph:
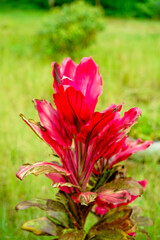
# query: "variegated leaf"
{"type": "Point", "coordinates": [67, 184]}
{"type": "Point", "coordinates": [116, 221]}
{"type": "Point", "coordinates": [35, 202]}
{"type": "Point", "coordinates": [55, 210]}
{"type": "Point", "coordinates": [72, 234]}
{"type": "Point", "coordinates": [85, 201]}
{"type": "Point", "coordinates": [141, 220]}
{"type": "Point", "coordinates": [129, 184]}
{"type": "Point", "coordinates": [110, 234]}
{"type": "Point", "coordinates": [39, 168]}
{"type": "Point", "coordinates": [85, 198]}
{"type": "Point", "coordinates": [42, 226]}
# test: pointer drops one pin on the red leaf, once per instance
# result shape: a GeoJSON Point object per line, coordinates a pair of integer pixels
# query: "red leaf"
{"type": "Point", "coordinates": [72, 108]}
{"type": "Point", "coordinates": [50, 119]}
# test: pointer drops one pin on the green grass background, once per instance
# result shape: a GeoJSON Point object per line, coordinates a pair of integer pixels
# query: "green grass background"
{"type": "Point", "coordinates": [128, 54]}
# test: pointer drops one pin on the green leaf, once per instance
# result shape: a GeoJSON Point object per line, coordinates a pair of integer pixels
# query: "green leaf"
{"type": "Point", "coordinates": [116, 215]}
{"type": "Point", "coordinates": [55, 210]}
{"type": "Point", "coordinates": [42, 226]}
{"type": "Point", "coordinates": [69, 204]}
{"type": "Point", "coordinates": [35, 202]}
{"type": "Point", "coordinates": [58, 212]}
{"type": "Point", "coordinates": [142, 221]}
{"type": "Point", "coordinates": [129, 184]}
{"type": "Point", "coordinates": [111, 234]}
{"type": "Point", "coordinates": [116, 221]}
{"type": "Point", "coordinates": [71, 234]}
{"type": "Point", "coordinates": [144, 232]}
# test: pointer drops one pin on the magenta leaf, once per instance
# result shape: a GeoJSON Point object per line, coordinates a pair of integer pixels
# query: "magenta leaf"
{"type": "Point", "coordinates": [66, 70]}
{"type": "Point", "coordinates": [98, 122]}
{"type": "Point", "coordinates": [116, 193]}
{"type": "Point", "coordinates": [85, 75]}
{"type": "Point", "coordinates": [89, 80]}
{"type": "Point", "coordinates": [129, 184]}
{"type": "Point", "coordinates": [72, 107]}
{"type": "Point", "coordinates": [42, 133]}
{"type": "Point", "coordinates": [51, 121]}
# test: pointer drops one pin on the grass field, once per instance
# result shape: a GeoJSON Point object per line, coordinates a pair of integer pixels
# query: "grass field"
{"type": "Point", "coordinates": [127, 52]}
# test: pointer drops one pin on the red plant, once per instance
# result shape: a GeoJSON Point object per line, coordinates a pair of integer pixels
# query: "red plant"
{"type": "Point", "coordinates": [90, 146]}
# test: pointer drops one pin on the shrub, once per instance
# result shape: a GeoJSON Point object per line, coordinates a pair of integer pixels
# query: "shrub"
{"type": "Point", "coordinates": [71, 27]}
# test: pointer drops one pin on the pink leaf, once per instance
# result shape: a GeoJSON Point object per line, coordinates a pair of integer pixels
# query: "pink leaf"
{"type": "Point", "coordinates": [66, 70]}
{"type": "Point", "coordinates": [89, 81]}
{"type": "Point", "coordinates": [50, 119]}
{"type": "Point", "coordinates": [42, 133]}
{"type": "Point", "coordinates": [85, 75]}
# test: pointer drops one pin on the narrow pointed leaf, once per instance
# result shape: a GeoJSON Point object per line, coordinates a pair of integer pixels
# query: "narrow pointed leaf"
{"type": "Point", "coordinates": [98, 122]}
{"type": "Point", "coordinates": [43, 134]}
{"type": "Point", "coordinates": [36, 202]}
{"type": "Point", "coordinates": [42, 226]}
{"type": "Point", "coordinates": [51, 121]}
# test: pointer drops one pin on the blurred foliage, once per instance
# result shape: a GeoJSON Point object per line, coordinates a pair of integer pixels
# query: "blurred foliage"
{"type": "Point", "coordinates": [24, 4]}
{"type": "Point", "coordinates": [69, 28]}
{"type": "Point", "coordinates": [127, 8]}
{"type": "Point", "coordinates": [136, 8]}
{"type": "Point", "coordinates": [148, 8]}
{"type": "Point", "coordinates": [146, 129]}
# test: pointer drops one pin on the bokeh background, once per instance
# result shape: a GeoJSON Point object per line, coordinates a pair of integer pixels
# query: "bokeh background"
{"type": "Point", "coordinates": [123, 37]}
